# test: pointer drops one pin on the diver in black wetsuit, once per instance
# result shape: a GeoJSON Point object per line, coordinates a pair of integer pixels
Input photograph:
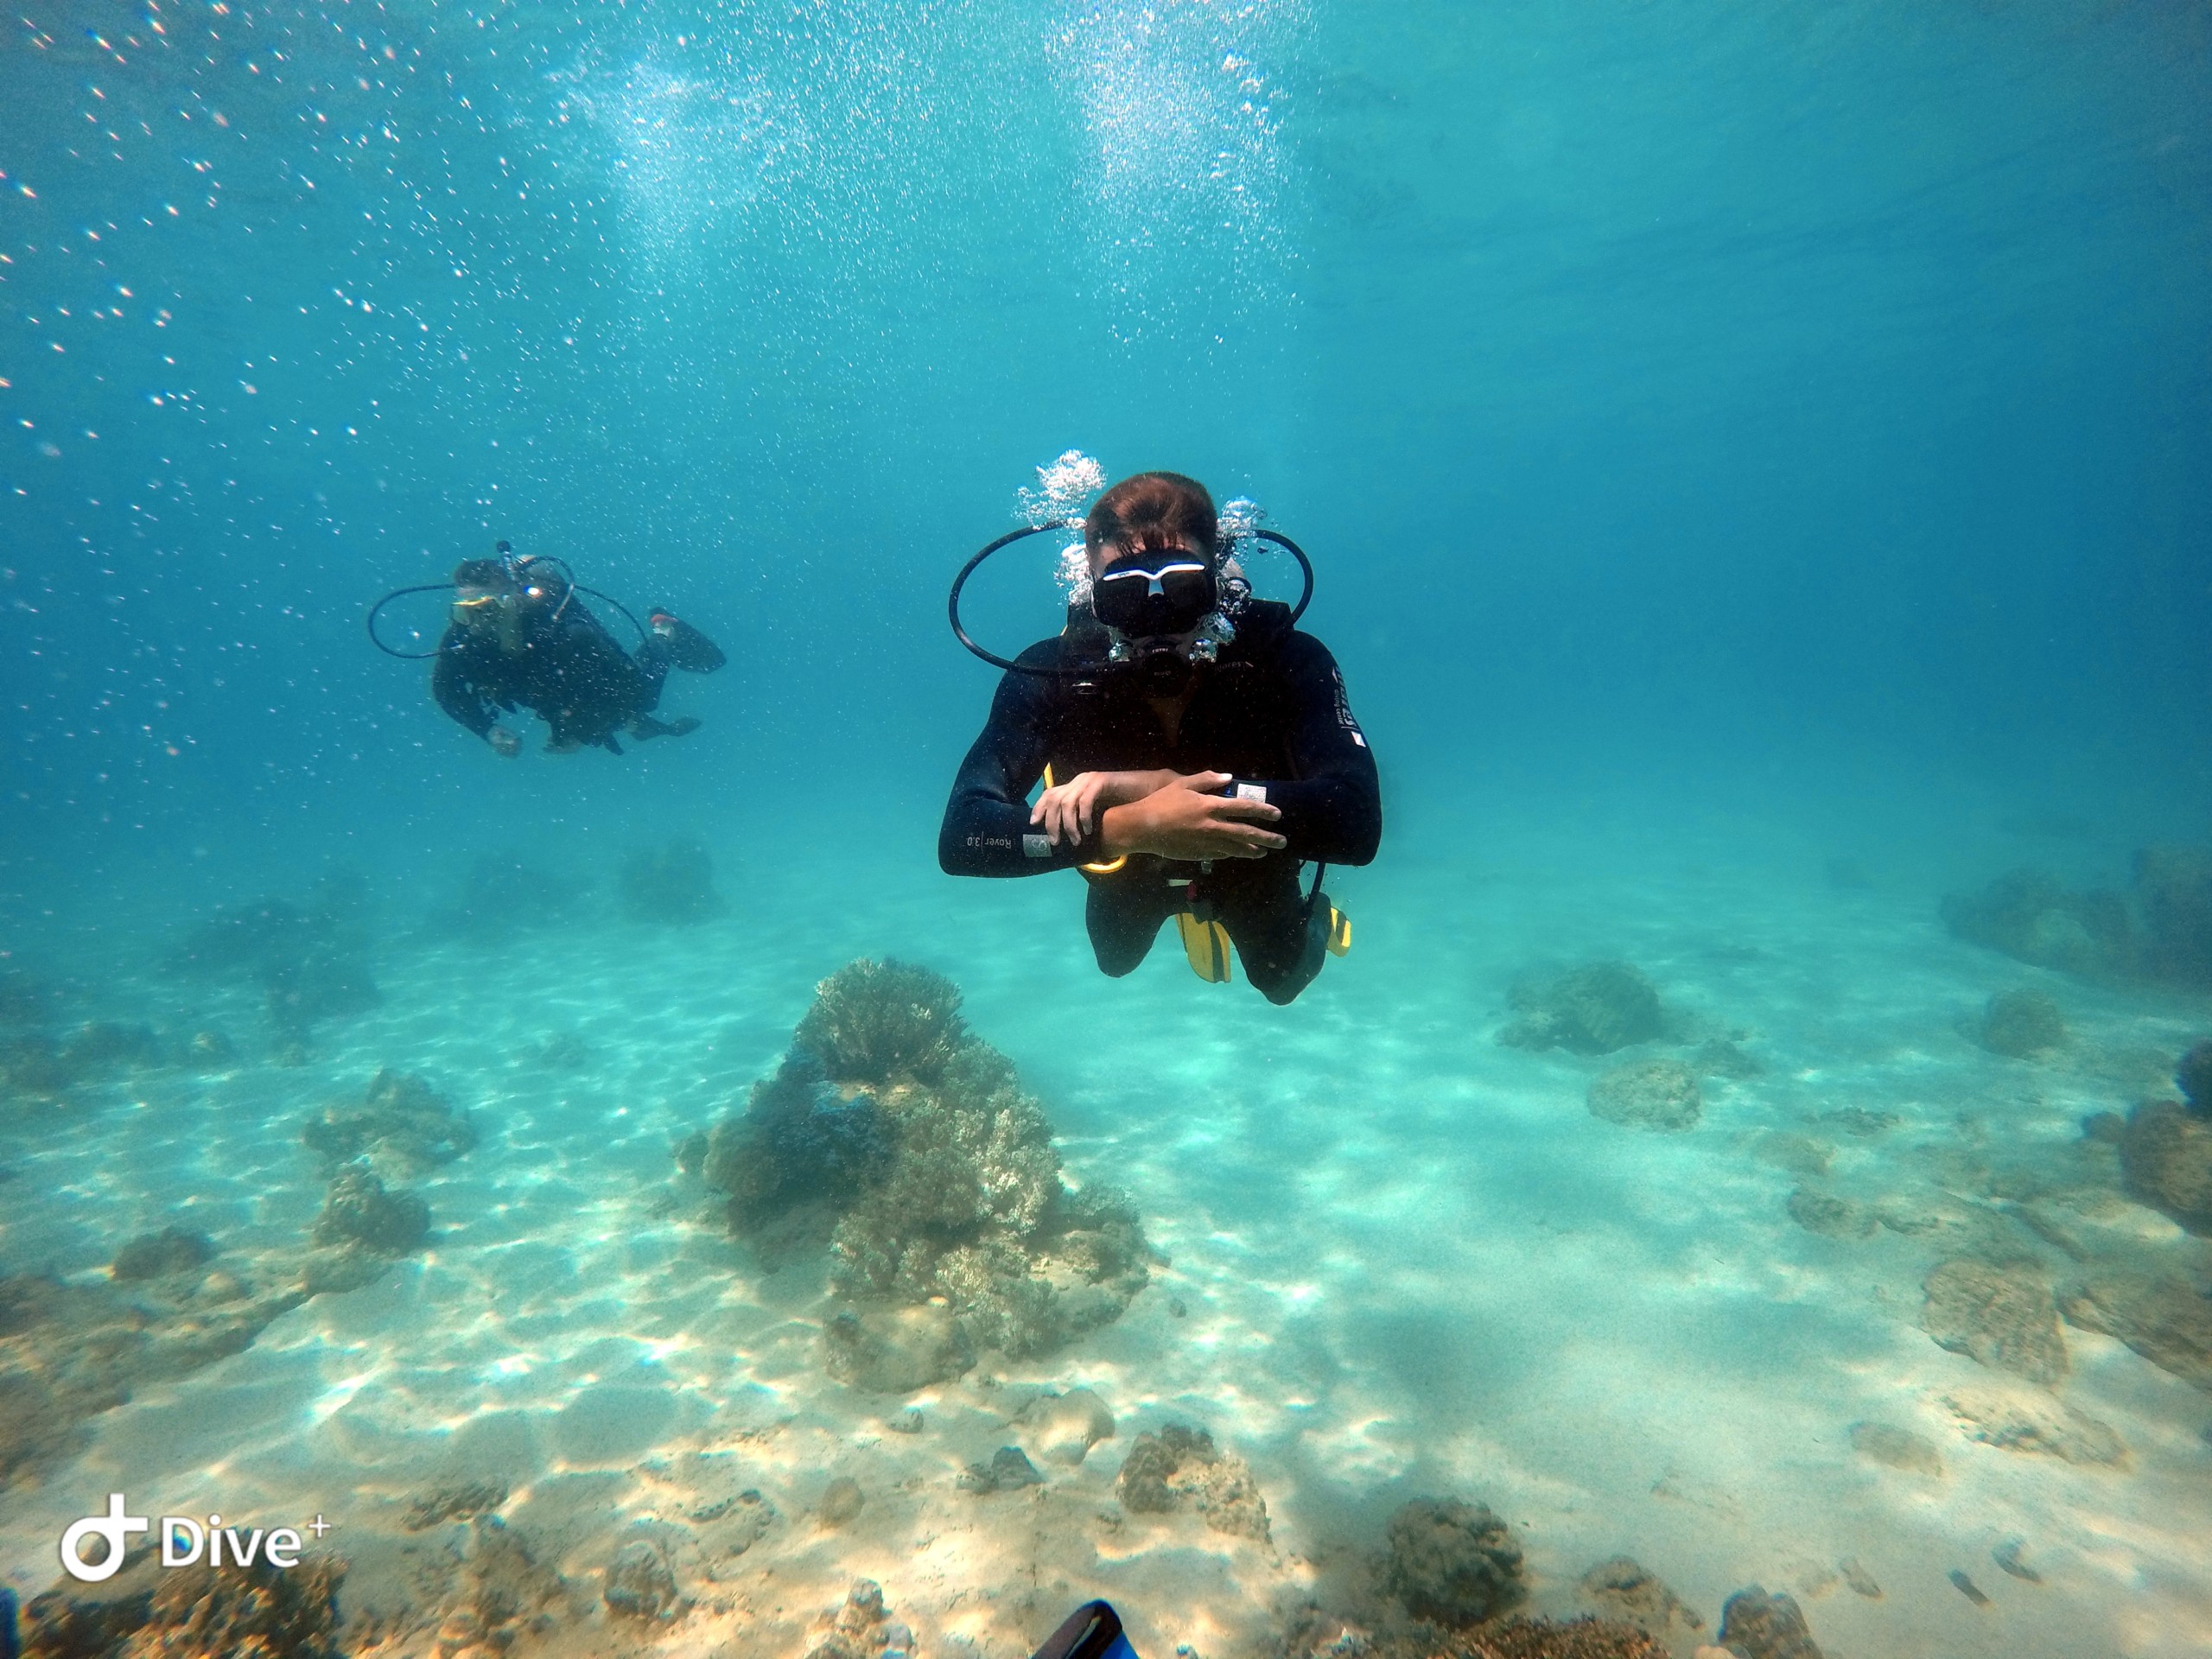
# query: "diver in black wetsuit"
{"type": "Point", "coordinates": [1194, 777]}
{"type": "Point", "coordinates": [521, 636]}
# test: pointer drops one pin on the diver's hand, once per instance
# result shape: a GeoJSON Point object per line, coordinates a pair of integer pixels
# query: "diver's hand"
{"type": "Point", "coordinates": [1185, 819]}
{"type": "Point", "coordinates": [504, 740]}
{"type": "Point", "coordinates": [1067, 810]}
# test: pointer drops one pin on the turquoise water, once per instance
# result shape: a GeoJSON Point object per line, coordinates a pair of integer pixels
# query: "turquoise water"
{"type": "Point", "coordinates": [1753, 459]}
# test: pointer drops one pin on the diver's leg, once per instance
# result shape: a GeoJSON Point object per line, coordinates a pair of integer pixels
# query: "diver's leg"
{"type": "Point", "coordinates": [652, 664]}
{"type": "Point", "coordinates": [688, 648]}
{"type": "Point", "coordinates": [1124, 913]}
{"type": "Point", "coordinates": [653, 672]}
{"type": "Point", "coordinates": [1268, 920]}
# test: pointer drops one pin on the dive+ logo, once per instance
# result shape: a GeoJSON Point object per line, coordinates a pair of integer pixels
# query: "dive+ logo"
{"type": "Point", "coordinates": [184, 1541]}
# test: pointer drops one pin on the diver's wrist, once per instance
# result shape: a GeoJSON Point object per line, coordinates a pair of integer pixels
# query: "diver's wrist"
{"type": "Point", "coordinates": [1120, 827]}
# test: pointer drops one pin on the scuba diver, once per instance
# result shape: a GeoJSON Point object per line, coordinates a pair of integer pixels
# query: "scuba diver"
{"type": "Point", "coordinates": [519, 635]}
{"type": "Point", "coordinates": [1195, 747]}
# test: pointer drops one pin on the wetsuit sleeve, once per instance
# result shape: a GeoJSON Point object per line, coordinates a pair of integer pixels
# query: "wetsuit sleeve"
{"type": "Point", "coordinates": [987, 829]}
{"type": "Point", "coordinates": [1332, 808]}
{"type": "Point", "coordinates": [457, 693]}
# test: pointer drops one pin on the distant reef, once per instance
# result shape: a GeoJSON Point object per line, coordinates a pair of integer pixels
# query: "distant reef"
{"type": "Point", "coordinates": [904, 1143]}
{"type": "Point", "coordinates": [308, 959]}
{"type": "Point", "coordinates": [2158, 928]}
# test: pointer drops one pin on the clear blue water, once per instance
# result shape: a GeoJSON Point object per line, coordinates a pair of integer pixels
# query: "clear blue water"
{"type": "Point", "coordinates": [1732, 439]}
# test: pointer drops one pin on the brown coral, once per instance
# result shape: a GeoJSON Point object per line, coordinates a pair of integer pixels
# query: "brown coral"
{"type": "Point", "coordinates": [1181, 1468]}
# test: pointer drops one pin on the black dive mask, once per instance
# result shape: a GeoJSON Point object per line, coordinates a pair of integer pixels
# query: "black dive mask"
{"type": "Point", "coordinates": [1154, 596]}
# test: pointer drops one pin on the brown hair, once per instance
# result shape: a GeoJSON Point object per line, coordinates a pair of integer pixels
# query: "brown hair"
{"type": "Point", "coordinates": [1147, 509]}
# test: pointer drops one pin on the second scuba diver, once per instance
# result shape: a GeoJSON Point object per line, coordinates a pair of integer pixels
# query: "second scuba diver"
{"type": "Point", "coordinates": [1196, 749]}
{"type": "Point", "coordinates": [520, 636]}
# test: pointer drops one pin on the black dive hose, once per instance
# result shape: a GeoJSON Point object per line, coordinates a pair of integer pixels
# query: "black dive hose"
{"type": "Point", "coordinates": [952, 599]}
{"type": "Point", "coordinates": [435, 586]}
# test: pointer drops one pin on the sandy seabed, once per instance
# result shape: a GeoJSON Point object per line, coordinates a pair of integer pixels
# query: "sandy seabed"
{"type": "Point", "coordinates": [1402, 1260]}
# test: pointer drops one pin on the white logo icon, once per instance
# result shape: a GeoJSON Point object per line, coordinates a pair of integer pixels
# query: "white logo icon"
{"type": "Point", "coordinates": [115, 1526]}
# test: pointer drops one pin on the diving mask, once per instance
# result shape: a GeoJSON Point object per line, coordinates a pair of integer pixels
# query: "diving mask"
{"type": "Point", "coordinates": [1151, 595]}
{"type": "Point", "coordinates": [476, 607]}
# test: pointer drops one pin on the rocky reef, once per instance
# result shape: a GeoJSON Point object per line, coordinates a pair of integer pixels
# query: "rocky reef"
{"type": "Point", "coordinates": [1593, 1009]}
{"type": "Point", "coordinates": [907, 1141]}
{"type": "Point", "coordinates": [503, 898]}
{"type": "Point", "coordinates": [191, 1612]}
{"type": "Point", "coordinates": [2166, 1146]}
{"type": "Point", "coordinates": [310, 959]}
{"type": "Point", "coordinates": [2159, 930]}
{"type": "Point", "coordinates": [70, 1351]}
{"type": "Point", "coordinates": [38, 1065]}
{"type": "Point", "coordinates": [672, 884]}
{"type": "Point", "coordinates": [402, 1128]}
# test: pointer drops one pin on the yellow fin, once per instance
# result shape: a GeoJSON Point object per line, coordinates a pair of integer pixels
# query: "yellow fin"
{"type": "Point", "coordinates": [1206, 945]}
{"type": "Point", "coordinates": [1339, 933]}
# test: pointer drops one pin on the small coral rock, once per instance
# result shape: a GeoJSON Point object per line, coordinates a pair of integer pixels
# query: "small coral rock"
{"type": "Point", "coordinates": [1900, 1448]}
{"type": "Point", "coordinates": [1648, 1095]}
{"type": "Point", "coordinates": [151, 1256]}
{"type": "Point", "coordinates": [456, 1501]}
{"type": "Point", "coordinates": [841, 1502]}
{"type": "Point", "coordinates": [1830, 1217]}
{"type": "Point", "coordinates": [1009, 1469]}
{"type": "Point", "coordinates": [1633, 1594]}
{"type": "Point", "coordinates": [402, 1125]}
{"type": "Point", "coordinates": [1451, 1563]}
{"type": "Point", "coordinates": [2001, 1314]}
{"type": "Point", "coordinates": [360, 1212]}
{"type": "Point", "coordinates": [2166, 1319]}
{"type": "Point", "coordinates": [896, 1349]}
{"type": "Point", "coordinates": [1757, 1626]}
{"type": "Point", "coordinates": [1180, 1467]}
{"type": "Point", "coordinates": [2166, 1155]}
{"type": "Point", "coordinates": [640, 1586]}
{"type": "Point", "coordinates": [2024, 1420]}
{"type": "Point", "coordinates": [1065, 1426]}
{"type": "Point", "coordinates": [1593, 1009]}
{"type": "Point", "coordinates": [2022, 1024]}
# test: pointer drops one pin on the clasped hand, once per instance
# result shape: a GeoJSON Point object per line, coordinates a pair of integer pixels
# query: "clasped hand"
{"type": "Point", "coordinates": [1171, 815]}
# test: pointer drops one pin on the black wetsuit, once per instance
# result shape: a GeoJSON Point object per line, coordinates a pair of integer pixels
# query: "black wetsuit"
{"type": "Point", "coordinates": [1271, 714]}
{"type": "Point", "coordinates": [567, 668]}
